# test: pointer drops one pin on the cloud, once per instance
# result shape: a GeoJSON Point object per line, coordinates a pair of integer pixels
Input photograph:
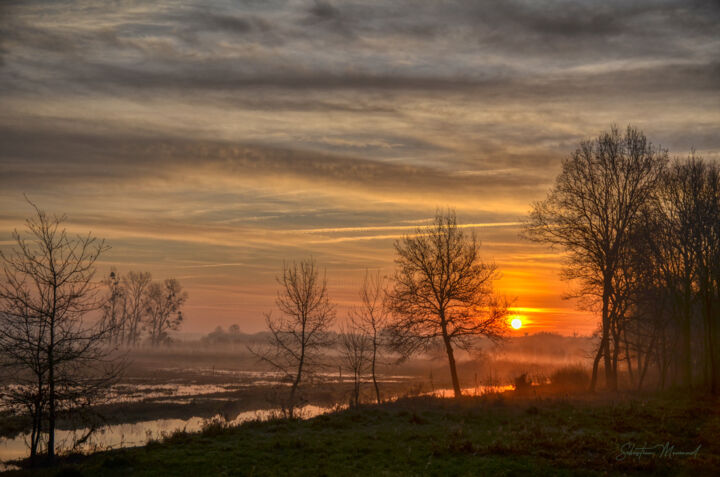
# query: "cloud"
{"type": "Point", "coordinates": [243, 132]}
{"type": "Point", "coordinates": [70, 159]}
{"type": "Point", "coordinates": [324, 10]}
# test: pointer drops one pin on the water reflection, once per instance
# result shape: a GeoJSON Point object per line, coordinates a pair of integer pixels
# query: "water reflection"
{"type": "Point", "coordinates": [471, 391]}
{"type": "Point", "coordinates": [139, 433]}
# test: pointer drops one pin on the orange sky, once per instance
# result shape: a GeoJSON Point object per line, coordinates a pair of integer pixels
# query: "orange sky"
{"type": "Point", "coordinates": [210, 143]}
{"type": "Point", "coordinates": [230, 271]}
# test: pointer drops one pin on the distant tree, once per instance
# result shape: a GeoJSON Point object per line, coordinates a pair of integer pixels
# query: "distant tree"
{"type": "Point", "coordinates": [371, 319]}
{"type": "Point", "coordinates": [590, 213]}
{"type": "Point", "coordinates": [355, 354]}
{"type": "Point", "coordinates": [443, 290]}
{"type": "Point", "coordinates": [164, 310]}
{"type": "Point", "coordinates": [57, 359]}
{"type": "Point", "coordinates": [136, 287]}
{"type": "Point", "coordinates": [114, 314]}
{"type": "Point", "coordinates": [301, 331]}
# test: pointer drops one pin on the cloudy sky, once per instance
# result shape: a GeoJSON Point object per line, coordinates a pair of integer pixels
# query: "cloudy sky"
{"type": "Point", "coordinates": [210, 141]}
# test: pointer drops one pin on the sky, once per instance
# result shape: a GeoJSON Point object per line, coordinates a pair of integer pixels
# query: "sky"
{"type": "Point", "coordinates": [212, 141]}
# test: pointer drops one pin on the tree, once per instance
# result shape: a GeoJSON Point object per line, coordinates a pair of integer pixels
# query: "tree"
{"type": "Point", "coordinates": [113, 309]}
{"type": "Point", "coordinates": [696, 187]}
{"type": "Point", "coordinates": [443, 290]}
{"type": "Point", "coordinates": [135, 286]}
{"type": "Point", "coordinates": [57, 357]}
{"type": "Point", "coordinates": [355, 349]}
{"type": "Point", "coordinates": [164, 309]}
{"type": "Point", "coordinates": [590, 213]}
{"type": "Point", "coordinates": [371, 319]}
{"type": "Point", "coordinates": [301, 330]}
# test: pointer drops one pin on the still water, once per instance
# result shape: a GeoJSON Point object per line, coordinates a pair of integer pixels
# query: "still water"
{"type": "Point", "coordinates": [138, 433]}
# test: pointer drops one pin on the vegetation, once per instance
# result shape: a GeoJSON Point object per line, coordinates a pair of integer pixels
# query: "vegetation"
{"type": "Point", "coordinates": [55, 359]}
{"type": "Point", "coordinates": [490, 435]}
{"type": "Point", "coordinates": [300, 333]}
{"type": "Point", "coordinates": [443, 291]}
{"type": "Point", "coordinates": [591, 211]}
{"type": "Point", "coordinates": [643, 243]}
{"type": "Point", "coordinates": [642, 238]}
{"type": "Point", "coordinates": [370, 319]}
{"type": "Point", "coordinates": [135, 307]}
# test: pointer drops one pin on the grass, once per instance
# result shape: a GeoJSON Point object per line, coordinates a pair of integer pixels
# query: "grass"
{"type": "Point", "coordinates": [489, 435]}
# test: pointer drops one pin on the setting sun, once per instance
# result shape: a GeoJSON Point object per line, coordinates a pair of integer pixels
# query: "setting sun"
{"type": "Point", "coordinates": [516, 323]}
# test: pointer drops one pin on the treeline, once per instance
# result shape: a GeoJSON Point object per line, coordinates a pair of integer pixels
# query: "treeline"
{"type": "Point", "coordinates": [642, 236]}
{"type": "Point", "coordinates": [138, 309]}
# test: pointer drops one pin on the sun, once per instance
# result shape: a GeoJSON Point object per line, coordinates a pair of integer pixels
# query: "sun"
{"type": "Point", "coordinates": [516, 323]}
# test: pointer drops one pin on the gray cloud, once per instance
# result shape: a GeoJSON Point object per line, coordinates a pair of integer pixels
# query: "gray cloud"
{"type": "Point", "coordinates": [381, 45]}
{"type": "Point", "coordinates": [46, 158]}
{"type": "Point", "coordinates": [192, 131]}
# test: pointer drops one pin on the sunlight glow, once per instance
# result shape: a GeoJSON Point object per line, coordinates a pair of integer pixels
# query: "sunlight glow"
{"type": "Point", "coordinates": [516, 323]}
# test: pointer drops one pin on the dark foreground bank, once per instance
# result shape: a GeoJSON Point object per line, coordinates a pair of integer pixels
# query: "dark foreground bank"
{"type": "Point", "coordinates": [673, 434]}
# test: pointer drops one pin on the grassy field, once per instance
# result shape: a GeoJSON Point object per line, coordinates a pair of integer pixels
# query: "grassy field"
{"type": "Point", "coordinates": [488, 435]}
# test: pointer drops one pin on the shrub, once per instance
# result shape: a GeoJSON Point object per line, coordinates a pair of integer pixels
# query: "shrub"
{"type": "Point", "coordinates": [570, 378]}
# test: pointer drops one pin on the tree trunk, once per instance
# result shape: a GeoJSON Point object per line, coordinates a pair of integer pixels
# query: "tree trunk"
{"type": "Point", "coordinates": [596, 363]}
{"type": "Point", "coordinates": [374, 378]}
{"type": "Point", "coordinates": [291, 403]}
{"type": "Point", "coordinates": [356, 390]}
{"type": "Point", "coordinates": [616, 351]}
{"type": "Point", "coordinates": [51, 385]}
{"type": "Point", "coordinates": [604, 349]}
{"type": "Point", "coordinates": [686, 340]}
{"type": "Point", "coordinates": [711, 344]}
{"type": "Point", "coordinates": [628, 359]}
{"type": "Point", "coordinates": [610, 381]}
{"type": "Point", "coordinates": [35, 434]}
{"type": "Point", "coordinates": [648, 357]}
{"type": "Point", "coordinates": [451, 360]}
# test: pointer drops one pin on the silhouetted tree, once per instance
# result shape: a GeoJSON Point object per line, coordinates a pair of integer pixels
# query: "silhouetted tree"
{"type": "Point", "coordinates": [114, 313]}
{"type": "Point", "coordinates": [673, 254]}
{"type": "Point", "coordinates": [371, 319]}
{"type": "Point", "coordinates": [136, 287]}
{"type": "Point", "coordinates": [57, 359]}
{"type": "Point", "coordinates": [355, 353]}
{"type": "Point", "coordinates": [590, 213]}
{"type": "Point", "coordinates": [301, 330]}
{"type": "Point", "coordinates": [164, 309]}
{"type": "Point", "coordinates": [442, 290]}
{"type": "Point", "coordinates": [692, 208]}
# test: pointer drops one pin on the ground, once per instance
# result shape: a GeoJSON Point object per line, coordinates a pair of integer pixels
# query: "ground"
{"type": "Point", "coordinates": [501, 434]}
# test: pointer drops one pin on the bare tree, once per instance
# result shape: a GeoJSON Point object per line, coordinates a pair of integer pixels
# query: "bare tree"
{"type": "Point", "coordinates": [590, 213]}
{"type": "Point", "coordinates": [58, 359]}
{"type": "Point", "coordinates": [371, 319]}
{"type": "Point", "coordinates": [164, 309]}
{"type": "Point", "coordinates": [113, 309]}
{"type": "Point", "coordinates": [301, 330]}
{"type": "Point", "coordinates": [355, 353]}
{"type": "Point", "coordinates": [443, 290]}
{"type": "Point", "coordinates": [135, 286]}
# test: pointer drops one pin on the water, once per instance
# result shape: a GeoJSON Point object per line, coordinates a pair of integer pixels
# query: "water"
{"type": "Point", "coordinates": [138, 433]}
{"type": "Point", "coordinates": [470, 391]}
